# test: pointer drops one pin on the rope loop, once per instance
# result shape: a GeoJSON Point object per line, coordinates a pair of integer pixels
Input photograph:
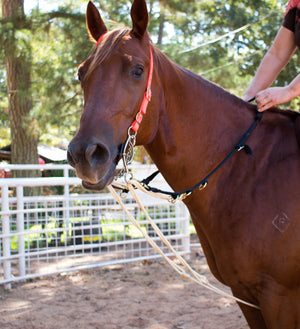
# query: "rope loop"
{"type": "Point", "coordinates": [182, 268]}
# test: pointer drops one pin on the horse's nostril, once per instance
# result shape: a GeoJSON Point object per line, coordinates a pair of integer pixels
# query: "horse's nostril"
{"type": "Point", "coordinates": [96, 155]}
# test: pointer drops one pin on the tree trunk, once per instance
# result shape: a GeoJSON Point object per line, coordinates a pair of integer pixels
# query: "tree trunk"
{"type": "Point", "coordinates": [161, 29]}
{"type": "Point", "coordinates": [18, 66]}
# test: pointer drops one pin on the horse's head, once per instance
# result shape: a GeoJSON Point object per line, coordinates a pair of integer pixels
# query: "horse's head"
{"type": "Point", "coordinates": [114, 79]}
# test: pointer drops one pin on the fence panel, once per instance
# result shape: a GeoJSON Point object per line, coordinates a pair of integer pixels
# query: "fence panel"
{"type": "Point", "coordinates": [49, 234]}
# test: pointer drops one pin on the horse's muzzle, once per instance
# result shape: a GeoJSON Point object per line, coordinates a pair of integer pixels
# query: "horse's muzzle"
{"type": "Point", "coordinates": [94, 162]}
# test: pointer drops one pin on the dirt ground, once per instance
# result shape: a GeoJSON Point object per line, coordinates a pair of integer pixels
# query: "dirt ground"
{"type": "Point", "coordinates": [143, 295]}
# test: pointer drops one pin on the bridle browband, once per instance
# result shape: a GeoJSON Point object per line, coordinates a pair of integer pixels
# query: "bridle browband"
{"type": "Point", "coordinates": [127, 149]}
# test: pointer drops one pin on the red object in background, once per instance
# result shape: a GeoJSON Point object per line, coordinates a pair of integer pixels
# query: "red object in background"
{"type": "Point", "coordinates": [41, 161]}
{"type": "Point", "coordinates": [5, 174]}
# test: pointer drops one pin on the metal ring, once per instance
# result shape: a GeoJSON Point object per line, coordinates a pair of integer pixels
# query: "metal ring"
{"type": "Point", "coordinates": [131, 135]}
{"type": "Point", "coordinates": [124, 194]}
{"type": "Point", "coordinates": [128, 176]}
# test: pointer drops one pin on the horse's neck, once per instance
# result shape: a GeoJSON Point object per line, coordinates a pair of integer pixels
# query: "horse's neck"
{"type": "Point", "coordinates": [199, 123]}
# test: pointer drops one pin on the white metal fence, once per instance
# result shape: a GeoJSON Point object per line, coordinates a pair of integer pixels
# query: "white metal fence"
{"type": "Point", "coordinates": [69, 230]}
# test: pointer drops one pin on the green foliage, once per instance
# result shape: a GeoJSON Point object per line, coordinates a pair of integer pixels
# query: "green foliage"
{"type": "Point", "coordinates": [58, 232]}
{"type": "Point", "coordinates": [203, 40]}
{"type": "Point", "coordinates": [59, 47]}
{"type": "Point", "coordinates": [55, 43]}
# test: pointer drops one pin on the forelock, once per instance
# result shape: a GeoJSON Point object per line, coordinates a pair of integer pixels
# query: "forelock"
{"type": "Point", "coordinates": [105, 48]}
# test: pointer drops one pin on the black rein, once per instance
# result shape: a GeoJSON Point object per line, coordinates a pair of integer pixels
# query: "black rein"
{"type": "Point", "coordinates": [202, 184]}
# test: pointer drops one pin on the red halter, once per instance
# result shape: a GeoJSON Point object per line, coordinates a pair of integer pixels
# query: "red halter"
{"type": "Point", "coordinates": [147, 96]}
{"type": "Point", "coordinates": [100, 39]}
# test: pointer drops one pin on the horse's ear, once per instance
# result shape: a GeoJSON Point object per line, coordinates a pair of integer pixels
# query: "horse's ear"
{"type": "Point", "coordinates": [139, 16]}
{"type": "Point", "coordinates": [95, 25]}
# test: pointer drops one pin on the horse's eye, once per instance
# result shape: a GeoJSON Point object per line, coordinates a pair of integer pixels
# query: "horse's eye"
{"type": "Point", "coordinates": [137, 72]}
{"type": "Point", "coordinates": [79, 76]}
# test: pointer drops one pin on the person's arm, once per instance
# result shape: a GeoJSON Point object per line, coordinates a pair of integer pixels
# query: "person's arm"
{"type": "Point", "coordinates": [273, 62]}
{"type": "Point", "coordinates": [278, 95]}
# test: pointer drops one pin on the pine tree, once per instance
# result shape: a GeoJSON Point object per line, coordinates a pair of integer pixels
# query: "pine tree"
{"type": "Point", "coordinates": [18, 72]}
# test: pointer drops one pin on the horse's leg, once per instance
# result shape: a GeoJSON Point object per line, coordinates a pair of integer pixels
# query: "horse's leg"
{"type": "Point", "coordinates": [252, 315]}
{"type": "Point", "coordinates": [210, 258]}
{"type": "Point", "coordinates": [281, 309]}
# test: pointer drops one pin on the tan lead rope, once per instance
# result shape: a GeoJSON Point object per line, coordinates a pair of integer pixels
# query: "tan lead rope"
{"type": "Point", "coordinates": [194, 276]}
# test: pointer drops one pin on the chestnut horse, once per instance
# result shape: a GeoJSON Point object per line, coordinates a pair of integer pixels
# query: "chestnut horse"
{"type": "Point", "coordinates": [248, 217]}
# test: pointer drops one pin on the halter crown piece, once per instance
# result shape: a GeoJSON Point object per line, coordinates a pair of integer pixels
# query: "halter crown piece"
{"type": "Point", "coordinates": [100, 39]}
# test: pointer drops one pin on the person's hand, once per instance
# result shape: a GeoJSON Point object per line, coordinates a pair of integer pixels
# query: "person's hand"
{"type": "Point", "coordinates": [272, 96]}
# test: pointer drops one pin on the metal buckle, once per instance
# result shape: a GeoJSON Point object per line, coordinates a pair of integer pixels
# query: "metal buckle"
{"type": "Point", "coordinates": [180, 197]}
{"type": "Point", "coordinates": [240, 147]}
{"type": "Point", "coordinates": [203, 186]}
